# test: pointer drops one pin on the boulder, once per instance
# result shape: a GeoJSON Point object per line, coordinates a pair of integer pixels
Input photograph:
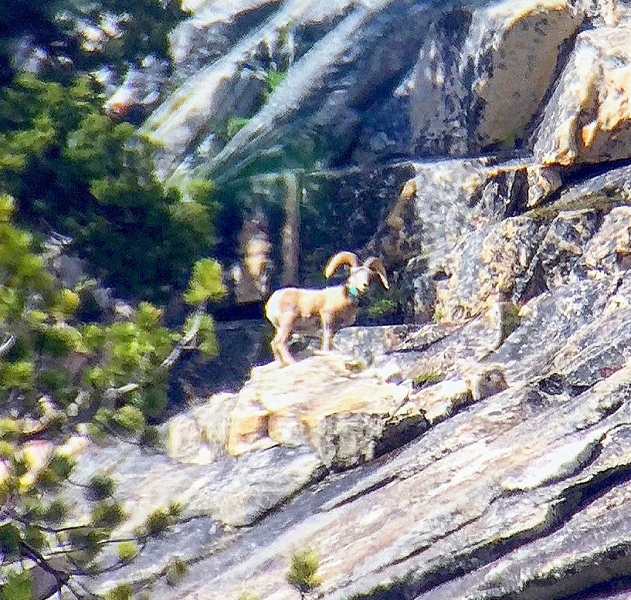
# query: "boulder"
{"type": "Point", "coordinates": [230, 83]}
{"type": "Point", "coordinates": [582, 234]}
{"type": "Point", "coordinates": [609, 249]}
{"type": "Point", "coordinates": [446, 200]}
{"type": "Point", "coordinates": [487, 265]}
{"type": "Point", "coordinates": [408, 528]}
{"type": "Point", "coordinates": [228, 492]}
{"type": "Point", "coordinates": [482, 74]}
{"type": "Point", "coordinates": [211, 31]}
{"type": "Point", "coordinates": [346, 423]}
{"type": "Point", "coordinates": [588, 118]}
{"type": "Point", "coordinates": [368, 343]}
{"type": "Point", "coordinates": [200, 435]}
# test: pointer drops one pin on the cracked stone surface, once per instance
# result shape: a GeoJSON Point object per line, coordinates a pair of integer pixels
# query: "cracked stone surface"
{"type": "Point", "coordinates": [523, 493]}
{"type": "Point", "coordinates": [482, 450]}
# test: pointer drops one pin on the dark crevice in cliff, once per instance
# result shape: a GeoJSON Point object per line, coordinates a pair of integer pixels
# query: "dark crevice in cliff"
{"type": "Point", "coordinates": [362, 492]}
{"type": "Point", "coordinates": [250, 311]}
{"type": "Point", "coordinates": [584, 172]}
{"type": "Point", "coordinates": [578, 497]}
{"type": "Point", "coordinates": [612, 573]}
{"type": "Point", "coordinates": [618, 585]}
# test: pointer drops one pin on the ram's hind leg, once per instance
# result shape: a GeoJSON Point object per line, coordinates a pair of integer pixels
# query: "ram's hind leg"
{"type": "Point", "coordinates": [279, 343]}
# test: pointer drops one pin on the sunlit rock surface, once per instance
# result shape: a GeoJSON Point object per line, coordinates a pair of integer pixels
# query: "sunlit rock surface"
{"type": "Point", "coordinates": [351, 419]}
{"type": "Point", "coordinates": [588, 117]}
{"type": "Point", "coordinates": [523, 489]}
{"type": "Point", "coordinates": [352, 83]}
{"type": "Point", "coordinates": [482, 74]}
{"type": "Point", "coordinates": [482, 448]}
{"type": "Point", "coordinates": [232, 85]}
{"type": "Point", "coordinates": [581, 234]}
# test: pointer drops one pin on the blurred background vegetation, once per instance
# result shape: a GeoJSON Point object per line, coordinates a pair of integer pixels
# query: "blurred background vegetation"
{"type": "Point", "coordinates": [74, 171]}
{"type": "Point", "coordinates": [71, 174]}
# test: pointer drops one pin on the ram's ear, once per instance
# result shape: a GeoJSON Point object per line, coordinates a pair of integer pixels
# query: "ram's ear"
{"type": "Point", "coordinates": [339, 259]}
{"type": "Point", "coordinates": [376, 266]}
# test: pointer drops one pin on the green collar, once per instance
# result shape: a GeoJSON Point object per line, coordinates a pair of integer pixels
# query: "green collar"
{"type": "Point", "coordinates": [353, 291]}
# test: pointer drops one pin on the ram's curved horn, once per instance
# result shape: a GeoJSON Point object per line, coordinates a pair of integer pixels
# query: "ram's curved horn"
{"type": "Point", "coordinates": [376, 266]}
{"type": "Point", "coordinates": [339, 259]}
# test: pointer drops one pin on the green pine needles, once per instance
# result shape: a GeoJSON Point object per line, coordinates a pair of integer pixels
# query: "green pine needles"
{"type": "Point", "coordinates": [70, 166]}
{"type": "Point", "coordinates": [60, 376]}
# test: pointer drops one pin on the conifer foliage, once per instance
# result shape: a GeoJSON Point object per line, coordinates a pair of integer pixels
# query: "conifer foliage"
{"type": "Point", "coordinates": [62, 379]}
{"type": "Point", "coordinates": [74, 171]}
{"type": "Point", "coordinates": [69, 172]}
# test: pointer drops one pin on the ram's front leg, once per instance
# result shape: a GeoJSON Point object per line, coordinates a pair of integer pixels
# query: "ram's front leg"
{"type": "Point", "coordinates": [327, 333]}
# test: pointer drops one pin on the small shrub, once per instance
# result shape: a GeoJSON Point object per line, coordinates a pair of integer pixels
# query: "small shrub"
{"type": "Point", "coordinates": [206, 282]}
{"type": "Point", "coordinates": [383, 307]}
{"type": "Point", "coordinates": [9, 429]}
{"type": "Point", "coordinates": [303, 573]}
{"type": "Point", "coordinates": [129, 418]}
{"type": "Point", "coordinates": [150, 438]}
{"type": "Point", "coordinates": [234, 125]}
{"type": "Point", "coordinates": [17, 586]}
{"type": "Point", "coordinates": [274, 79]}
{"type": "Point", "coordinates": [439, 315]}
{"type": "Point", "coordinates": [56, 472]}
{"type": "Point", "coordinates": [121, 592]}
{"type": "Point", "coordinates": [175, 570]}
{"type": "Point", "coordinates": [18, 375]}
{"type": "Point", "coordinates": [67, 303]}
{"type": "Point", "coordinates": [107, 513]}
{"type": "Point", "coordinates": [34, 537]}
{"type": "Point", "coordinates": [56, 512]}
{"type": "Point", "coordinates": [9, 539]}
{"type": "Point", "coordinates": [86, 540]}
{"type": "Point", "coordinates": [428, 378]}
{"type": "Point", "coordinates": [100, 487]}
{"type": "Point", "coordinates": [159, 520]}
{"type": "Point", "coordinates": [175, 509]}
{"type": "Point", "coordinates": [127, 551]}
{"type": "Point", "coordinates": [154, 400]}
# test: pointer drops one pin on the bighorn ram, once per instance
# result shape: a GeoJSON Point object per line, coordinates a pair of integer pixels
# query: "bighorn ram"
{"type": "Point", "coordinates": [295, 309]}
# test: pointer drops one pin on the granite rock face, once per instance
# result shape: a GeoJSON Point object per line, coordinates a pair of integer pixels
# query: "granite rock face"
{"type": "Point", "coordinates": [587, 119]}
{"type": "Point", "coordinates": [486, 106]}
{"type": "Point", "coordinates": [451, 465]}
{"type": "Point", "coordinates": [482, 249]}
{"type": "Point", "coordinates": [482, 448]}
{"type": "Point", "coordinates": [360, 83]}
{"type": "Point", "coordinates": [480, 83]}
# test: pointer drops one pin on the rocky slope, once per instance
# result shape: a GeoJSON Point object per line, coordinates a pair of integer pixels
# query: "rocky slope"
{"type": "Point", "coordinates": [456, 464]}
{"type": "Point", "coordinates": [482, 449]}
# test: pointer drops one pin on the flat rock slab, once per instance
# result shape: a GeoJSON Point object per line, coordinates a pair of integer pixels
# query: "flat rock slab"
{"type": "Point", "coordinates": [325, 402]}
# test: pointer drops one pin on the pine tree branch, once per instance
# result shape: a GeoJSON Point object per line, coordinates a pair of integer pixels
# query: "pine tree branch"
{"type": "Point", "coordinates": [113, 394]}
{"type": "Point", "coordinates": [183, 344]}
{"type": "Point", "coordinates": [61, 577]}
{"type": "Point", "coordinates": [7, 345]}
